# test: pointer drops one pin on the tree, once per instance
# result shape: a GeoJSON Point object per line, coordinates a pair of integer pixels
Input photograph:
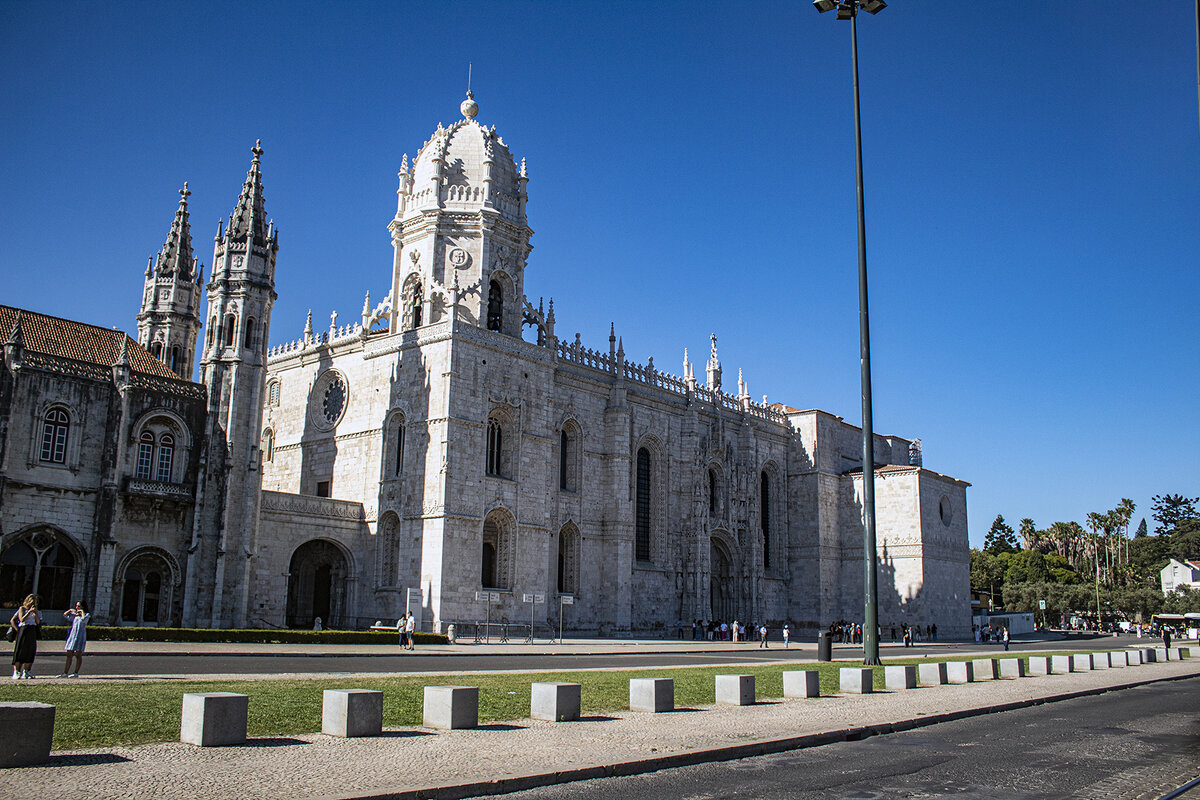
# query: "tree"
{"type": "Point", "coordinates": [987, 572]}
{"type": "Point", "coordinates": [999, 537]}
{"type": "Point", "coordinates": [1035, 567]}
{"type": "Point", "coordinates": [1030, 535]}
{"type": "Point", "coordinates": [1141, 530]}
{"type": "Point", "coordinates": [1172, 509]}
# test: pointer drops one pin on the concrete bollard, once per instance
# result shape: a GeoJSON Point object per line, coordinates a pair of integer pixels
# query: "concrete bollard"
{"type": "Point", "coordinates": [451, 707]}
{"type": "Point", "coordinates": [1040, 665]}
{"type": "Point", "coordinates": [26, 731]}
{"type": "Point", "coordinates": [1012, 668]}
{"type": "Point", "coordinates": [960, 671]}
{"type": "Point", "coordinates": [900, 677]}
{"type": "Point", "coordinates": [1149, 655]}
{"type": "Point", "coordinates": [1101, 661]}
{"type": "Point", "coordinates": [1194, 651]}
{"type": "Point", "coordinates": [654, 695]}
{"type": "Point", "coordinates": [352, 712]}
{"type": "Point", "coordinates": [933, 674]}
{"type": "Point", "coordinates": [1133, 658]}
{"type": "Point", "coordinates": [1179, 653]}
{"type": "Point", "coordinates": [1082, 662]}
{"type": "Point", "coordinates": [802, 683]}
{"type": "Point", "coordinates": [1063, 663]}
{"type": "Point", "coordinates": [1162, 654]}
{"type": "Point", "coordinates": [735, 690]}
{"type": "Point", "coordinates": [1117, 659]}
{"type": "Point", "coordinates": [211, 719]}
{"type": "Point", "coordinates": [856, 680]}
{"type": "Point", "coordinates": [985, 669]}
{"type": "Point", "coordinates": [556, 702]}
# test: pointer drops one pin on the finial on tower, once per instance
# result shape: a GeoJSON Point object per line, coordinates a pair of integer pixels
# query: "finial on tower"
{"type": "Point", "coordinates": [257, 150]}
{"type": "Point", "coordinates": [469, 107]}
{"type": "Point", "coordinates": [185, 194]}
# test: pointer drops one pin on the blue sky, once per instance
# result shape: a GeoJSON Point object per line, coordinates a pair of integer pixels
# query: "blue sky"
{"type": "Point", "coordinates": [1032, 186]}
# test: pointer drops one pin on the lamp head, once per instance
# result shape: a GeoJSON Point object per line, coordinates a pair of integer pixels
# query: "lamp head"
{"type": "Point", "coordinates": [873, 6]}
{"type": "Point", "coordinates": [824, 5]}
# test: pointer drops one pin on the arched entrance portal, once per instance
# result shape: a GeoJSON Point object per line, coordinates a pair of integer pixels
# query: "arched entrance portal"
{"type": "Point", "coordinates": [316, 585]}
{"type": "Point", "coordinates": [722, 597]}
{"type": "Point", "coordinates": [146, 591]}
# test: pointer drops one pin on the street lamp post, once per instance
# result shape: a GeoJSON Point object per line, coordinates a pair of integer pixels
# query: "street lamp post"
{"type": "Point", "coordinates": [848, 9]}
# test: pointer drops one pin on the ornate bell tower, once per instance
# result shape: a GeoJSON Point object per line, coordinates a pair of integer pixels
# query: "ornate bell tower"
{"type": "Point", "coordinates": [233, 369]}
{"type": "Point", "coordinates": [460, 234]}
{"type": "Point", "coordinates": [169, 321]}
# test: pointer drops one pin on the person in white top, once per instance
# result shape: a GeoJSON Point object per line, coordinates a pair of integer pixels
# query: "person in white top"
{"type": "Point", "coordinates": [410, 628]}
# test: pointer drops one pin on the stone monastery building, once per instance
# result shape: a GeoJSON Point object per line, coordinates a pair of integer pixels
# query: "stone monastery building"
{"type": "Point", "coordinates": [429, 456]}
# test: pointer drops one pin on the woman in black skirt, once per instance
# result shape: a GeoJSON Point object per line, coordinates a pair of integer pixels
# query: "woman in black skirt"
{"type": "Point", "coordinates": [28, 626]}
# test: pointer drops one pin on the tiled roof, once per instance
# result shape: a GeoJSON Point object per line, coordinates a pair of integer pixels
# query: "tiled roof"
{"type": "Point", "coordinates": [90, 345]}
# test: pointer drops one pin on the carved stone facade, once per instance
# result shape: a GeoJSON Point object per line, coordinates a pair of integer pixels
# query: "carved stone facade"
{"type": "Point", "coordinates": [449, 442]}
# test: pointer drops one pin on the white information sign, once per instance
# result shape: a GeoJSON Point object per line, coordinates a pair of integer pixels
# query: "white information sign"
{"type": "Point", "coordinates": [567, 600]}
{"type": "Point", "coordinates": [1042, 605]}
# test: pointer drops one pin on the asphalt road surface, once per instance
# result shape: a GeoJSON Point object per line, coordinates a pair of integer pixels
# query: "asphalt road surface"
{"type": "Point", "coordinates": [1135, 743]}
{"type": "Point", "coordinates": [184, 663]}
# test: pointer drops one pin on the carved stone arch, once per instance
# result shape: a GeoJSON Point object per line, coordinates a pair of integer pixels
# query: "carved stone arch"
{"type": "Point", "coordinates": [320, 570]}
{"type": "Point", "coordinates": [498, 549]}
{"type": "Point", "coordinates": [723, 569]}
{"type": "Point", "coordinates": [179, 428]}
{"type": "Point", "coordinates": [648, 484]}
{"type": "Point", "coordinates": [145, 596]}
{"type": "Point", "coordinates": [41, 559]}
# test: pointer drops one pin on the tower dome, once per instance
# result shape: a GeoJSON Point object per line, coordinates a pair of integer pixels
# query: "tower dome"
{"type": "Point", "coordinates": [466, 166]}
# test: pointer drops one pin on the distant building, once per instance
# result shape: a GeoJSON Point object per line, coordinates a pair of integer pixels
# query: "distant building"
{"type": "Point", "coordinates": [445, 444]}
{"type": "Point", "coordinates": [1180, 573]}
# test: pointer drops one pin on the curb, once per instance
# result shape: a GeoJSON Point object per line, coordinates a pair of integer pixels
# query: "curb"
{"type": "Point", "coordinates": [733, 752]}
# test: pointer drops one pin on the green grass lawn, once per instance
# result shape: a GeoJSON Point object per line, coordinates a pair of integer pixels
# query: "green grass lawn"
{"type": "Point", "coordinates": [108, 714]}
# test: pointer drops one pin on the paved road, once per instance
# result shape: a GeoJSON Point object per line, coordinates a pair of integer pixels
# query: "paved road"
{"type": "Point", "coordinates": [1137, 743]}
{"type": "Point", "coordinates": [182, 662]}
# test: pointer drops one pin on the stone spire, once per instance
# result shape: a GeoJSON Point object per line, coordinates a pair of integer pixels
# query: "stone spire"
{"type": "Point", "coordinates": [169, 319]}
{"type": "Point", "coordinates": [175, 257]}
{"type": "Point", "coordinates": [250, 216]}
{"type": "Point", "coordinates": [714, 367]}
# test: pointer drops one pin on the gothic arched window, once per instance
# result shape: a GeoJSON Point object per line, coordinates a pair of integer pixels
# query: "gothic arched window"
{"type": "Point", "coordinates": [642, 510]}
{"type": "Point", "coordinates": [712, 493]}
{"type": "Point", "coordinates": [395, 445]}
{"type": "Point", "coordinates": [248, 339]}
{"type": "Point", "coordinates": [229, 330]}
{"type": "Point", "coordinates": [568, 559]}
{"type": "Point", "coordinates": [268, 445]}
{"type": "Point", "coordinates": [495, 447]}
{"type": "Point", "coordinates": [417, 302]}
{"type": "Point", "coordinates": [176, 360]}
{"type": "Point", "coordinates": [497, 553]}
{"type": "Point", "coordinates": [495, 308]}
{"type": "Point", "coordinates": [764, 516]}
{"type": "Point", "coordinates": [55, 427]}
{"type": "Point", "coordinates": [568, 457]}
{"type": "Point", "coordinates": [156, 350]}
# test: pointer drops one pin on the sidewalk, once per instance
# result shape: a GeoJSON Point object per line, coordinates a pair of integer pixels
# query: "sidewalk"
{"type": "Point", "coordinates": [415, 762]}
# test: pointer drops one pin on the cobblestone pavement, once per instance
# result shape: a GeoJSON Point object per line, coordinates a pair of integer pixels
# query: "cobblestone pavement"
{"type": "Point", "coordinates": [413, 762]}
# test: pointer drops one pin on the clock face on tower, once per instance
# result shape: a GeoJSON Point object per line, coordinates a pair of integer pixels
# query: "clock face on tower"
{"type": "Point", "coordinates": [457, 257]}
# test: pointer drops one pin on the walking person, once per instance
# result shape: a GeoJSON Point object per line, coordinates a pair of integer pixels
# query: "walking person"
{"type": "Point", "coordinates": [77, 619]}
{"type": "Point", "coordinates": [1165, 631]}
{"type": "Point", "coordinates": [786, 635]}
{"type": "Point", "coordinates": [400, 623]}
{"type": "Point", "coordinates": [734, 629]}
{"type": "Point", "coordinates": [1004, 637]}
{"type": "Point", "coordinates": [762, 632]}
{"type": "Point", "coordinates": [27, 625]}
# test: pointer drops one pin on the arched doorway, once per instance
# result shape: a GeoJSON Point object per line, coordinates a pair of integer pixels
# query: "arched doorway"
{"type": "Point", "coordinates": [316, 584]}
{"type": "Point", "coordinates": [722, 597]}
{"type": "Point", "coordinates": [146, 591]}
